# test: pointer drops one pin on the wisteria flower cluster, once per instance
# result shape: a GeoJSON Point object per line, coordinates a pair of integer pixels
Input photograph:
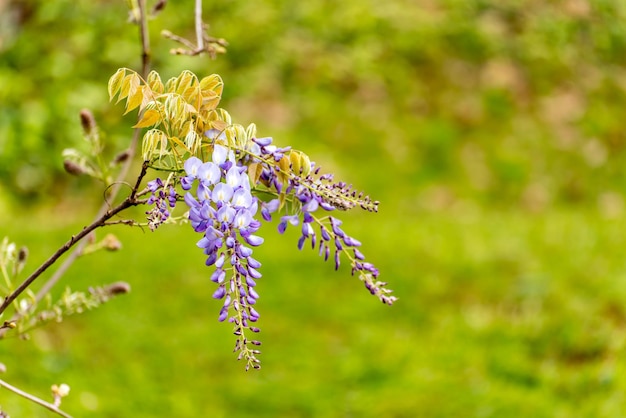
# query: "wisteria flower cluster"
{"type": "Point", "coordinates": [231, 180]}
{"type": "Point", "coordinates": [223, 210]}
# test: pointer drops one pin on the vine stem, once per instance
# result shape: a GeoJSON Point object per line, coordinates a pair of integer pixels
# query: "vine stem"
{"type": "Point", "coordinates": [34, 399]}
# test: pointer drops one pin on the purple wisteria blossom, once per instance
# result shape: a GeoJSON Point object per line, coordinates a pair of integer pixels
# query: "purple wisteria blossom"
{"type": "Point", "coordinates": [223, 211]}
{"type": "Point", "coordinates": [162, 200]}
{"type": "Point", "coordinates": [312, 192]}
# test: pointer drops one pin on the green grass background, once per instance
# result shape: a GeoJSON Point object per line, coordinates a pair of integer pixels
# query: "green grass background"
{"type": "Point", "coordinates": [490, 131]}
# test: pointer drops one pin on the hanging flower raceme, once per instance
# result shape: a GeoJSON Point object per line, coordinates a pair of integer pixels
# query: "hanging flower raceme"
{"type": "Point", "coordinates": [223, 210]}
{"type": "Point", "coordinates": [311, 192]}
{"type": "Point", "coordinates": [162, 200]}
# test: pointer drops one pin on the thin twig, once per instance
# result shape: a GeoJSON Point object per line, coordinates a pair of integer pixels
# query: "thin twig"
{"type": "Point", "coordinates": [199, 25]}
{"type": "Point", "coordinates": [35, 399]}
{"type": "Point", "coordinates": [145, 39]}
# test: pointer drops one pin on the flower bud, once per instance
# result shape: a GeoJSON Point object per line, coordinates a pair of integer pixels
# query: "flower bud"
{"type": "Point", "coordinates": [87, 121]}
{"type": "Point", "coordinates": [22, 255]}
{"type": "Point", "coordinates": [61, 390]}
{"type": "Point", "coordinates": [73, 168]}
{"type": "Point", "coordinates": [121, 157]}
{"type": "Point", "coordinates": [111, 243]}
{"type": "Point", "coordinates": [118, 288]}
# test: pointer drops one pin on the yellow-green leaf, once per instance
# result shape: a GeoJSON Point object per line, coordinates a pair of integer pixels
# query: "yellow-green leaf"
{"type": "Point", "coordinates": [294, 157]}
{"type": "Point", "coordinates": [134, 99]}
{"type": "Point", "coordinates": [152, 140]}
{"type": "Point", "coordinates": [150, 117]}
{"type": "Point", "coordinates": [251, 131]}
{"type": "Point", "coordinates": [178, 142]}
{"type": "Point", "coordinates": [155, 83]}
{"type": "Point", "coordinates": [185, 80]}
{"type": "Point", "coordinates": [213, 83]}
{"type": "Point", "coordinates": [115, 82]}
{"type": "Point", "coordinates": [305, 163]}
{"type": "Point", "coordinates": [126, 86]}
{"type": "Point", "coordinates": [281, 200]}
{"type": "Point", "coordinates": [254, 172]}
{"type": "Point", "coordinates": [284, 164]}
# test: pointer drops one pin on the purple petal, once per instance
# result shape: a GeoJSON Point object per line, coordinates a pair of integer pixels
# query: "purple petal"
{"type": "Point", "coordinates": [223, 314]}
{"type": "Point", "coordinates": [351, 242]}
{"type": "Point", "coordinates": [254, 273]}
{"type": "Point", "coordinates": [219, 293]}
{"type": "Point", "coordinates": [253, 263]}
{"type": "Point", "coordinates": [254, 240]}
{"type": "Point", "coordinates": [211, 259]}
{"type": "Point", "coordinates": [219, 154]}
{"type": "Point", "coordinates": [218, 276]}
{"type": "Point", "coordinates": [264, 142]}
{"type": "Point", "coordinates": [209, 173]}
{"type": "Point", "coordinates": [311, 206]}
{"type": "Point", "coordinates": [186, 182]}
{"type": "Point", "coordinates": [254, 315]}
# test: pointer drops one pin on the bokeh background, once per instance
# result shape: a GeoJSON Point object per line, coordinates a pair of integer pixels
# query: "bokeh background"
{"type": "Point", "coordinates": [492, 133]}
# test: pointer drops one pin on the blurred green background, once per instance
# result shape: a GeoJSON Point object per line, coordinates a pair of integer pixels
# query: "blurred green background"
{"type": "Point", "coordinates": [491, 132]}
